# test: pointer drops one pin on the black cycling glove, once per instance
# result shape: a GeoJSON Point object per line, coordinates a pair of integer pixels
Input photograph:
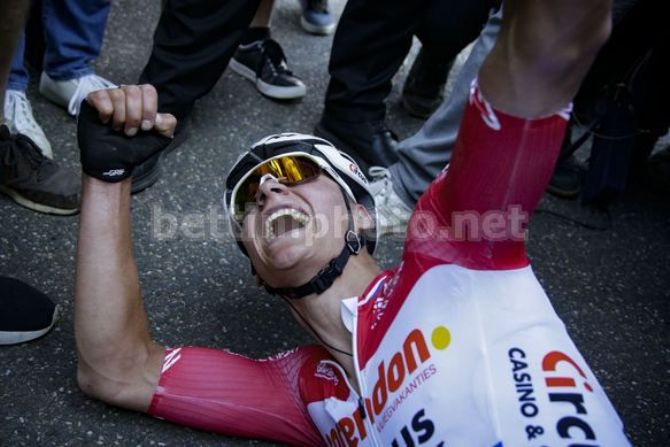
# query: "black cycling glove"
{"type": "Point", "coordinates": [110, 155]}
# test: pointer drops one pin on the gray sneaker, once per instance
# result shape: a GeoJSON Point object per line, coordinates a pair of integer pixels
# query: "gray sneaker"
{"type": "Point", "coordinates": [393, 214]}
{"type": "Point", "coordinates": [34, 181]}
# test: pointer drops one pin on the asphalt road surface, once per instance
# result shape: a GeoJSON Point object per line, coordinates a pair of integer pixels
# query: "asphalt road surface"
{"type": "Point", "coordinates": [610, 287]}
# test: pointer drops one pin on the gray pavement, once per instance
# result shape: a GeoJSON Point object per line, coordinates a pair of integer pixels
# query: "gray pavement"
{"type": "Point", "coordinates": [610, 287]}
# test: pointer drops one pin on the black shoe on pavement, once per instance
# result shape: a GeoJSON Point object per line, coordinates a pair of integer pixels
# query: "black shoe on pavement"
{"type": "Point", "coordinates": [423, 91]}
{"type": "Point", "coordinates": [566, 180]}
{"type": "Point", "coordinates": [369, 143]}
{"type": "Point", "coordinates": [34, 181]}
{"type": "Point", "coordinates": [658, 171]}
{"type": "Point", "coordinates": [146, 174]}
{"type": "Point", "coordinates": [25, 313]}
{"type": "Point", "coordinates": [263, 62]}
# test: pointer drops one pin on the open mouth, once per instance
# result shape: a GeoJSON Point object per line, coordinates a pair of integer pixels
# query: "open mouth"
{"type": "Point", "coordinates": [284, 221]}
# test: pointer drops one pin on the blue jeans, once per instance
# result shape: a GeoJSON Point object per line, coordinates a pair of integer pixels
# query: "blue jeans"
{"type": "Point", "coordinates": [73, 30]}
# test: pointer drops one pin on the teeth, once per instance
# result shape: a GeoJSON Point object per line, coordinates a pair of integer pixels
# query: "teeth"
{"type": "Point", "coordinates": [298, 216]}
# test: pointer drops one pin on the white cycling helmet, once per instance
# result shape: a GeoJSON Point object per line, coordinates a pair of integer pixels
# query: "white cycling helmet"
{"type": "Point", "coordinates": [336, 164]}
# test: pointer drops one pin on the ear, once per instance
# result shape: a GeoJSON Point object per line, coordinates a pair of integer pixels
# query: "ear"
{"type": "Point", "coordinates": [362, 219]}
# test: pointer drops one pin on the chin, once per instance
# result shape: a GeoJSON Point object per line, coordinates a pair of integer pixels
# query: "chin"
{"type": "Point", "coordinates": [289, 258]}
{"type": "Point", "coordinates": [287, 266]}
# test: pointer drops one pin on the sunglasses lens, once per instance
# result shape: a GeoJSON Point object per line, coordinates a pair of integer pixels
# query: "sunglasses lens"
{"type": "Point", "coordinates": [290, 170]}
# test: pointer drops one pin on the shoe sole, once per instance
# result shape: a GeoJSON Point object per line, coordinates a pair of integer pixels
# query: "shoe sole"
{"type": "Point", "coordinates": [316, 29]}
{"type": "Point", "coordinates": [562, 193]}
{"type": "Point", "coordinates": [149, 178]}
{"type": "Point", "coordinates": [269, 90]}
{"type": "Point", "coordinates": [40, 208]}
{"type": "Point", "coordinates": [13, 338]}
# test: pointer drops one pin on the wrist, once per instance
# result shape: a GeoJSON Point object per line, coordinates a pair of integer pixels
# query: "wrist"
{"type": "Point", "coordinates": [93, 184]}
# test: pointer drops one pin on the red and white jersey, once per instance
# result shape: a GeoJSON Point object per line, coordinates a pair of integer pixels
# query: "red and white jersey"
{"type": "Point", "coordinates": [492, 365]}
{"type": "Point", "coordinates": [458, 346]}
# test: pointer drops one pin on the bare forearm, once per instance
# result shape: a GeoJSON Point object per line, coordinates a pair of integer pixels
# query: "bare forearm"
{"type": "Point", "coordinates": [111, 328]}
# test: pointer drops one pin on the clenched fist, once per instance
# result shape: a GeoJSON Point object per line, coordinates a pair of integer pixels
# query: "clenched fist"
{"type": "Point", "coordinates": [119, 129]}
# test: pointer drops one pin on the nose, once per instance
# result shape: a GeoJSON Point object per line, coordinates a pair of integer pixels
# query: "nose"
{"type": "Point", "coordinates": [269, 186]}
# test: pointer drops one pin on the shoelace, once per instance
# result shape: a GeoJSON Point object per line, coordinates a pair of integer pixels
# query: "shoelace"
{"type": "Point", "coordinates": [380, 176]}
{"type": "Point", "coordinates": [18, 106]}
{"type": "Point", "coordinates": [85, 85]}
{"type": "Point", "coordinates": [274, 52]}
{"type": "Point", "coordinates": [379, 173]}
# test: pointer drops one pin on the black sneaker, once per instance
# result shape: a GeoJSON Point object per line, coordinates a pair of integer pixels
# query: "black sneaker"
{"type": "Point", "coordinates": [423, 91]}
{"type": "Point", "coordinates": [658, 171]}
{"type": "Point", "coordinates": [25, 312]}
{"type": "Point", "coordinates": [369, 143]}
{"type": "Point", "coordinates": [263, 62]}
{"type": "Point", "coordinates": [34, 181]}
{"type": "Point", "coordinates": [566, 181]}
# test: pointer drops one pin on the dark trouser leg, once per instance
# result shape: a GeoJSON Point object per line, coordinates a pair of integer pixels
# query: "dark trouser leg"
{"type": "Point", "coordinates": [426, 153]}
{"type": "Point", "coordinates": [371, 42]}
{"type": "Point", "coordinates": [193, 44]}
{"type": "Point", "coordinates": [453, 24]}
{"type": "Point", "coordinates": [446, 29]}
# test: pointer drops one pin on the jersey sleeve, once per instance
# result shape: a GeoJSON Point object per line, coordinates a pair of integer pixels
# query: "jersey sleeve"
{"type": "Point", "coordinates": [475, 213]}
{"type": "Point", "coordinates": [222, 392]}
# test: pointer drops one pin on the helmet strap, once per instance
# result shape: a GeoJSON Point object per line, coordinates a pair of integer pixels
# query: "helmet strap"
{"type": "Point", "coordinates": [353, 244]}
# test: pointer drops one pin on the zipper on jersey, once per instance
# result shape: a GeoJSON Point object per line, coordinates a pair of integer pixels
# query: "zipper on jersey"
{"type": "Point", "coordinates": [372, 433]}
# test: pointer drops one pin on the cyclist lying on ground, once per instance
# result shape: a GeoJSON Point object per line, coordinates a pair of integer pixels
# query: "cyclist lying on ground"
{"type": "Point", "coordinates": [458, 346]}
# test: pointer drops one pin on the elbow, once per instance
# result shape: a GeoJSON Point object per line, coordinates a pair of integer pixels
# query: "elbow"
{"type": "Point", "coordinates": [588, 37]}
{"type": "Point", "coordinates": [569, 42]}
{"type": "Point", "coordinates": [103, 387]}
{"type": "Point", "coordinates": [586, 31]}
{"type": "Point", "coordinates": [119, 383]}
{"type": "Point", "coordinates": [593, 37]}
{"type": "Point", "coordinates": [94, 385]}
{"type": "Point", "coordinates": [86, 383]}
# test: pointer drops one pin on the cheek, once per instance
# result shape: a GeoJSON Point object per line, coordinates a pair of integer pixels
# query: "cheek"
{"type": "Point", "coordinates": [248, 234]}
{"type": "Point", "coordinates": [332, 224]}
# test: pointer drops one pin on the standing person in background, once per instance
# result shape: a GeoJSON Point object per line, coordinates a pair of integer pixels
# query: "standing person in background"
{"type": "Point", "coordinates": [192, 46]}
{"type": "Point", "coordinates": [424, 155]}
{"type": "Point", "coordinates": [372, 40]}
{"type": "Point", "coordinates": [25, 313]}
{"type": "Point", "coordinates": [73, 33]}
{"type": "Point", "coordinates": [27, 173]}
{"type": "Point", "coordinates": [212, 35]}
